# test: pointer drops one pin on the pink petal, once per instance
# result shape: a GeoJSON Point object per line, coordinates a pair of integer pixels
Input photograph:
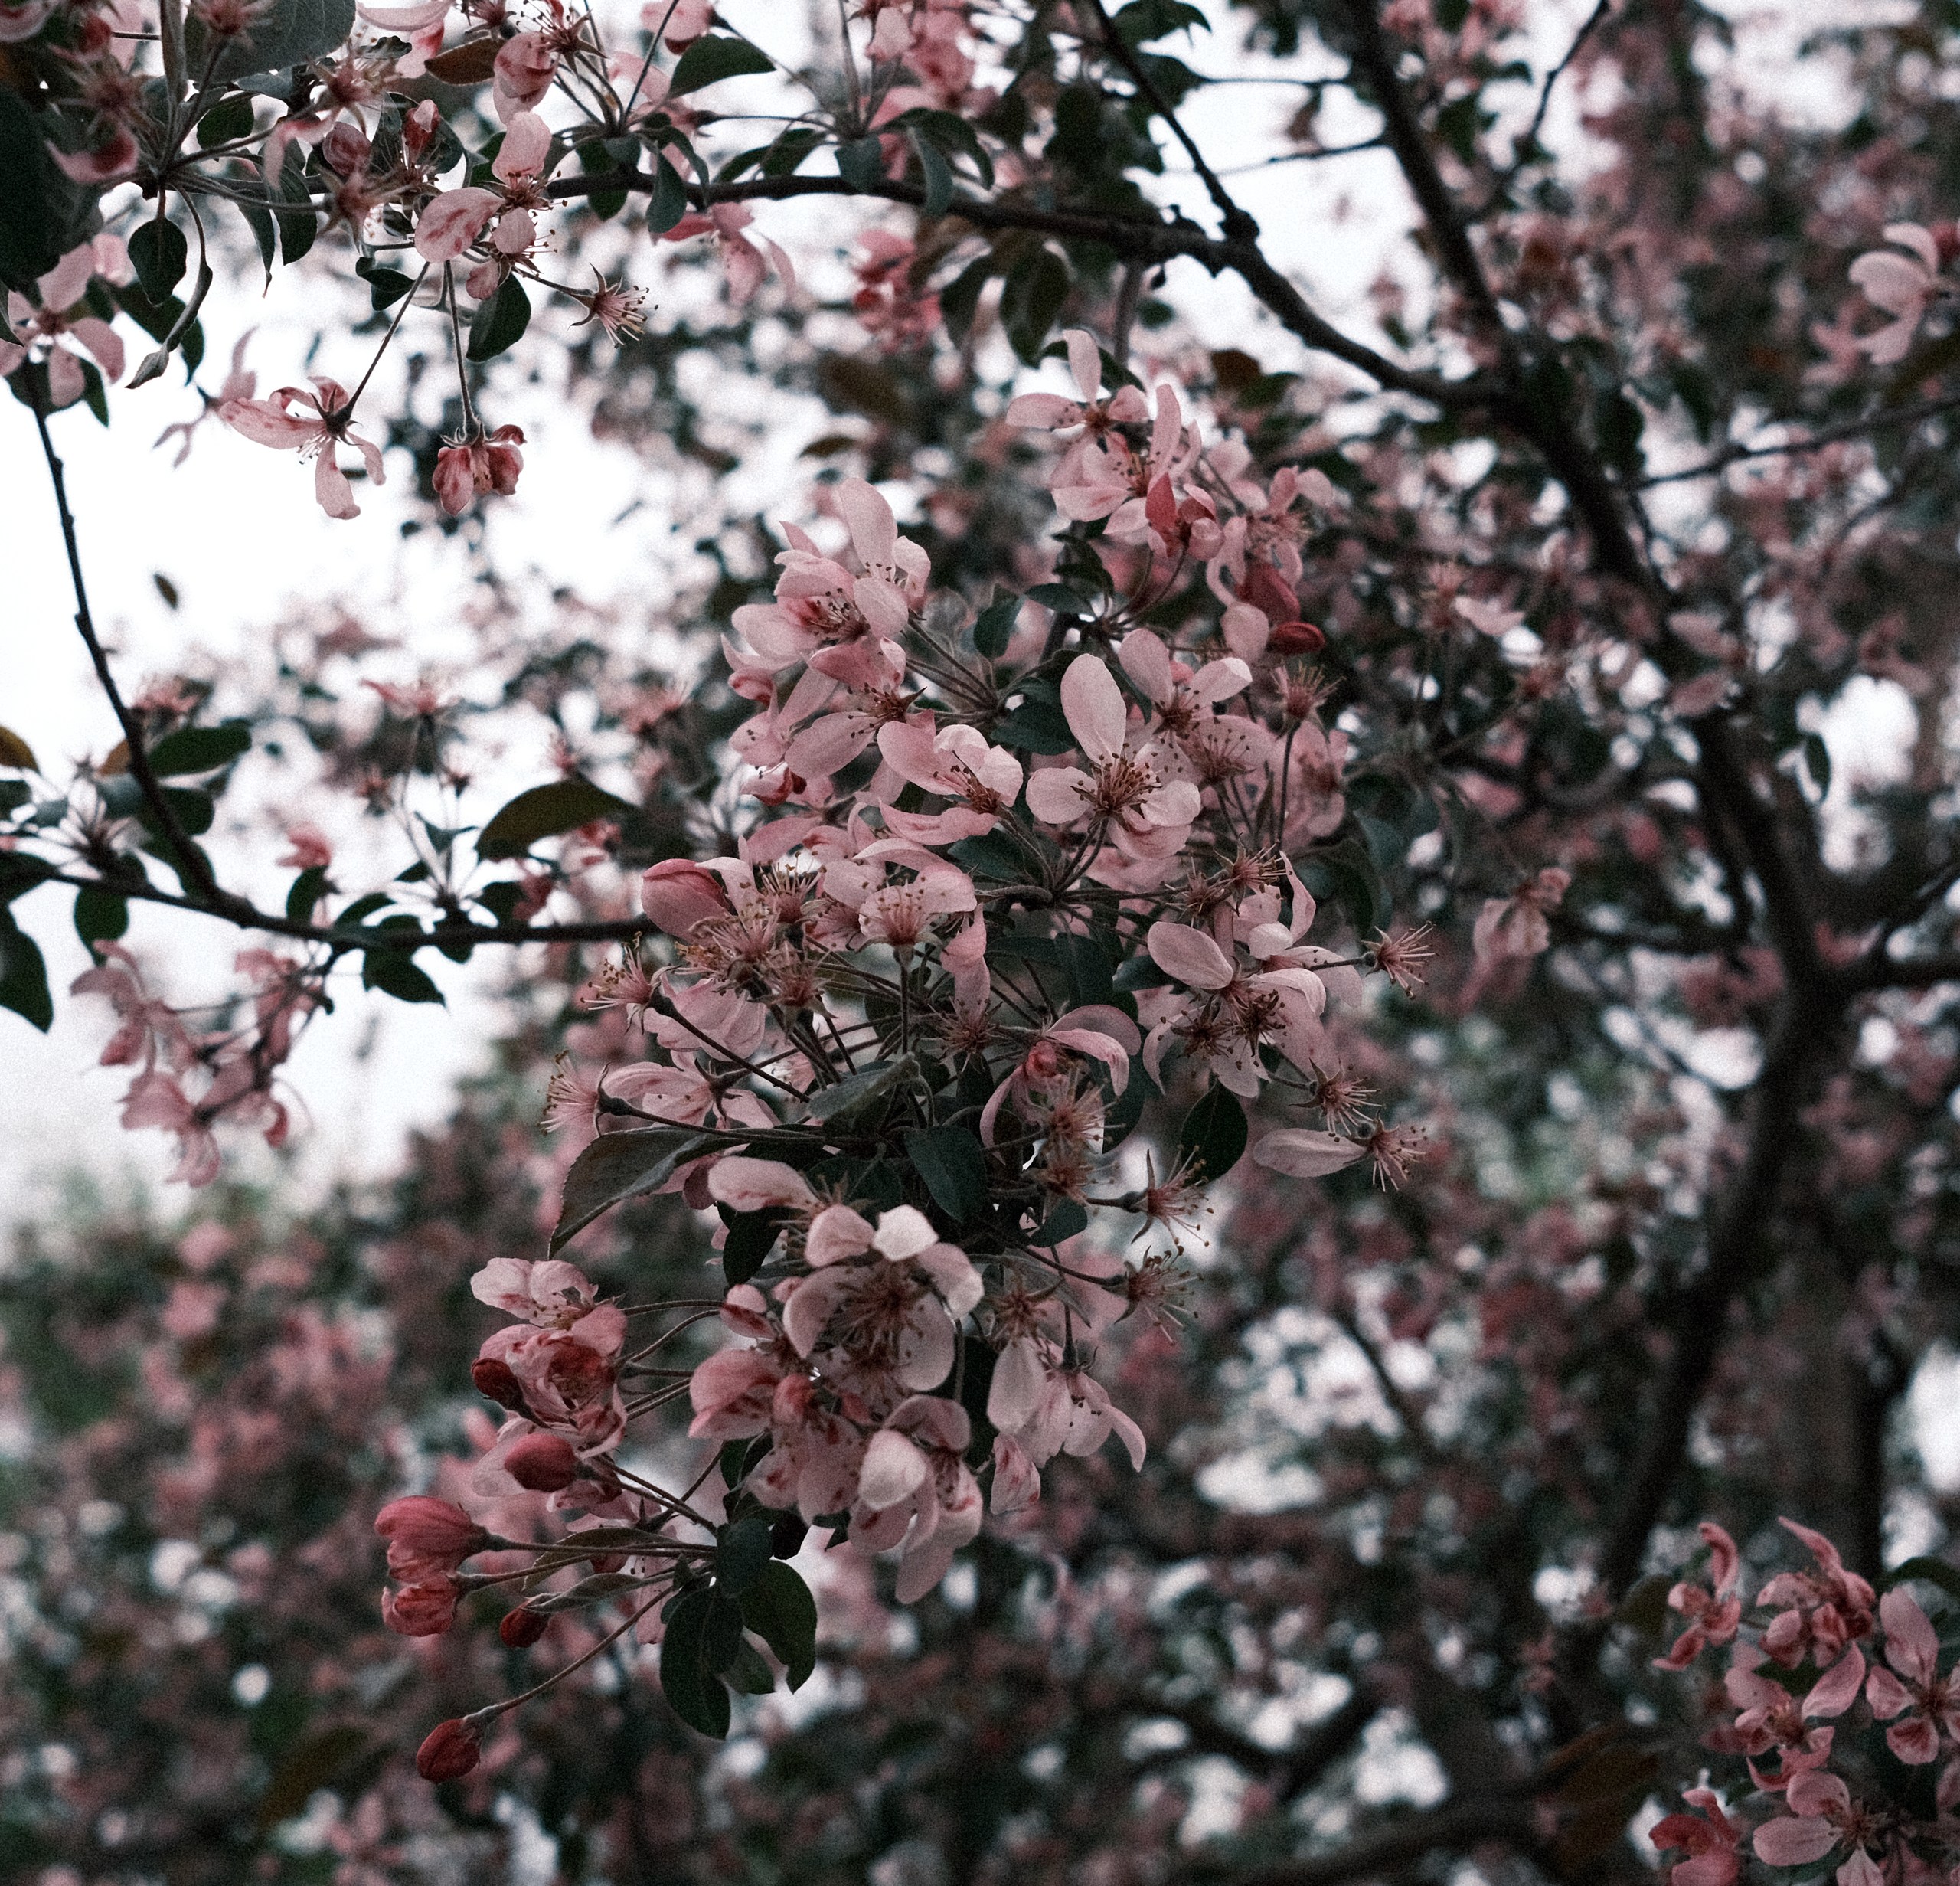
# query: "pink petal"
{"type": "Point", "coordinates": [1794, 1841]}
{"type": "Point", "coordinates": [453, 221]}
{"type": "Point", "coordinates": [1301, 1153]}
{"type": "Point", "coordinates": [1912, 1646]}
{"type": "Point", "coordinates": [1189, 955]}
{"type": "Point", "coordinates": [894, 1468]}
{"type": "Point", "coordinates": [1094, 704]}
{"type": "Point", "coordinates": [1834, 1692]}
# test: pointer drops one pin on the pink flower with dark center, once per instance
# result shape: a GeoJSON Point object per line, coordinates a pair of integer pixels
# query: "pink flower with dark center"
{"type": "Point", "coordinates": [282, 422]}
{"type": "Point", "coordinates": [1708, 1838]}
{"type": "Point", "coordinates": [61, 313]}
{"type": "Point", "coordinates": [1824, 1819]}
{"type": "Point", "coordinates": [1929, 1702]}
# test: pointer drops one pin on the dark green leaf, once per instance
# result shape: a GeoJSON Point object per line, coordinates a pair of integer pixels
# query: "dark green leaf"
{"type": "Point", "coordinates": [362, 908]}
{"type": "Point", "coordinates": [951, 133]}
{"type": "Point", "coordinates": [937, 175]}
{"type": "Point", "coordinates": [100, 915]}
{"type": "Point", "coordinates": [714, 57]}
{"type": "Point", "coordinates": [228, 118]}
{"type": "Point", "coordinates": [41, 211]}
{"type": "Point", "coordinates": [594, 157]}
{"type": "Point", "coordinates": [20, 872]}
{"type": "Point", "coordinates": [1143, 21]}
{"type": "Point", "coordinates": [698, 1698]}
{"type": "Point", "coordinates": [752, 1236]}
{"type": "Point", "coordinates": [1032, 299]}
{"type": "Point", "coordinates": [23, 974]}
{"type": "Point", "coordinates": [953, 1165]}
{"type": "Point", "coordinates": [1817, 762]}
{"type": "Point", "coordinates": [748, 1673]}
{"type": "Point", "coordinates": [622, 1166]}
{"type": "Point", "coordinates": [990, 855]}
{"type": "Point", "coordinates": [199, 749]}
{"type": "Point", "coordinates": [1064, 1221]}
{"type": "Point", "coordinates": [310, 1764]}
{"type": "Point", "coordinates": [994, 627]}
{"type": "Point", "coordinates": [742, 1552]}
{"type": "Point", "coordinates": [1933, 1571]}
{"type": "Point", "coordinates": [779, 1608]}
{"type": "Point", "coordinates": [1213, 1134]}
{"type": "Point", "coordinates": [861, 164]}
{"type": "Point", "coordinates": [385, 286]}
{"type": "Point", "coordinates": [785, 157]}
{"type": "Point", "coordinates": [393, 973]}
{"type": "Point", "coordinates": [669, 202]}
{"type": "Point", "coordinates": [859, 1089]}
{"type": "Point", "coordinates": [307, 889]}
{"type": "Point", "coordinates": [159, 254]}
{"type": "Point", "coordinates": [959, 300]}
{"type": "Point", "coordinates": [499, 322]}
{"type": "Point", "coordinates": [501, 900]}
{"type": "Point", "coordinates": [293, 210]}
{"type": "Point", "coordinates": [546, 812]}
{"type": "Point", "coordinates": [288, 33]}
{"type": "Point", "coordinates": [1036, 727]}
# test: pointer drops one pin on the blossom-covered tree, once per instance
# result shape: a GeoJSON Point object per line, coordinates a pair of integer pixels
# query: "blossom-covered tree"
{"type": "Point", "coordinates": [1226, 1030]}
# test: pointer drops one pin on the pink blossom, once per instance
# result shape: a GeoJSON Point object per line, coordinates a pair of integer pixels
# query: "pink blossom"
{"type": "Point", "coordinates": [1514, 928]}
{"type": "Point", "coordinates": [1709, 1838]}
{"type": "Point", "coordinates": [61, 313]}
{"type": "Point", "coordinates": [1903, 286]}
{"type": "Point", "coordinates": [1928, 1701]}
{"type": "Point", "coordinates": [466, 470]}
{"type": "Point", "coordinates": [1822, 1820]}
{"type": "Point", "coordinates": [275, 422]}
{"type": "Point", "coordinates": [742, 261]}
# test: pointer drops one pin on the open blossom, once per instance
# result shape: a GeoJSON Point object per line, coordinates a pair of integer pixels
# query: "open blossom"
{"type": "Point", "coordinates": [1124, 792]}
{"type": "Point", "coordinates": [1713, 1611]}
{"type": "Point", "coordinates": [1824, 1820]}
{"type": "Point", "coordinates": [1901, 286]}
{"type": "Point", "coordinates": [282, 422]}
{"type": "Point", "coordinates": [1709, 1838]}
{"type": "Point", "coordinates": [467, 469]}
{"type": "Point", "coordinates": [1926, 1704]}
{"type": "Point", "coordinates": [744, 264]}
{"type": "Point", "coordinates": [61, 315]}
{"type": "Point", "coordinates": [1513, 928]}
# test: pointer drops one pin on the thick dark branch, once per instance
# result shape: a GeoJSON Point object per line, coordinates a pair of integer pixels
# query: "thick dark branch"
{"type": "Point", "coordinates": [1456, 1827]}
{"type": "Point", "coordinates": [1880, 971]}
{"type": "Point", "coordinates": [1880, 421]}
{"type": "Point", "coordinates": [1136, 238]}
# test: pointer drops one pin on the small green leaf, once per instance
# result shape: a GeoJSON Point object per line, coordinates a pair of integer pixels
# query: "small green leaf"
{"type": "Point", "coordinates": [622, 1166]}
{"type": "Point", "coordinates": [862, 163]}
{"type": "Point", "coordinates": [307, 889]}
{"type": "Point", "coordinates": [228, 118]}
{"type": "Point", "coordinates": [546, 812]}
{"type": "Point", "coordinates": [1065, 1221]}
{"type": "Point", "coordinates": [199, 749]}
{"type": "Point", "coordinates": [715, 57]}
{"type": "Point", "coordinates": [100, 915]}
{"type": "Point", "coordinates": [385, 286]}
{"type": "Point", "coordinates": [994, 627]}
{"type": "Point", "coordinates": [953, 1165]}
{"type": "Point", "coordinates": [669, 200]}
{"type": "Point", "coordinates": [499, 322]}
{"type": "Point", "coordinates": [856, 1091]}
{"type": "Point", "coordinates": [752, 1236]}
{"type": "Point", "coordinates": [742, 1552]}
{"type": "Point", "coordinates": [698, 1698]}
{"type": "Point", "coordinates": [1817, 763]}
{"type": "Point", "coordinates": [393, 973]}
{"type": "Point", "coordinates": [1036, 289]}
{"type": "Point", "coordinates": [1213, 1134]}
{"type": "Point", "coordinates": [779, 1608]}
{"type": "Point", "coordinates": [15, 752]}
{"type": "Point", "coordinates": [23, 974]}
{"type": "Point", "coordinates": [937, 175]}
{"type": "Point", "coordinates": [159, 254]}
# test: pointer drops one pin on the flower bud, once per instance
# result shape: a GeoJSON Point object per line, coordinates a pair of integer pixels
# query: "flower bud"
{"type": "Point", "coordinates": [678, 895]}
{"type": "Point", "coordinates": [426, 1609]}
{"type": "Point", "coordinates": [542, 1463]}
{"type": "Point", "coordinates": [495, 1381]}
{"type": "Point", "coordinates": [427, 1535]}
{"type": "Point", "coordinates": [521, 1629]}
{"type": "Point", "coordinates": [1296, 638]}
{"type": "Point", "coordinates": [450, 1749]}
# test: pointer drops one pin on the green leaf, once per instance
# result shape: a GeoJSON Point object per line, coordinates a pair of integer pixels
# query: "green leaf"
{"type": "Point", "coordinates": [15, 752]}
{"type": "Point", "coordinates": [258, 218]}
{"type": "Point", "coordinates": [669, 200]}
{"type": "Point", "coordinates": [1143, 21]}
{"type": "Point", "coordinates": [546, 812]}
{"type": "Point", "coordinates": [741, 1552]}
{"type": "Point", "coordinates": [499, 322]}
{"type": "Point", "coordinates": [721, 1634]}
{"type": "Point", "coordinates": [1031, 300]}
{"type": "Point", "coordinates": [1817, 763]}
{"type": "Point", "coordinates": [779, 1608]}
{"type": "Point", "coordinates": [1213, 1134]}
{"type": "Point", "coordinates": [748, 1673]}
{"type": "Point", "coordinates": [785, 157]}
{"type": "Point", "coordinates": [752, 1236]}
{"type": "Point", "coordinates": [619, 1166]}
{"type": "Point", "coordinates": [714, 57]}
{"type": "Point", "coordinates": [385, 286]}
{"type": "Point", "coordinates": [393, 973]}
{"type": "Point", "coordinates": [43, 215]}
{"type": "Point", "coordinates": [362, 908]}
{"type": "Point", "coordinates": [194, 810]}
{"type": "Point", "coordinates": [994, 627]}
{"type": "Point", "coordinates": [292, 209]}
{"type": "Point", "coordinates": [959, 300]}
{"type": "Point", "coordinates": [288, 33]}
{"type": "Point", "coordinates": [937, 175]}
{"type": "Point", "coordinates": [100, 915]}
{"type": "Point", "coordinates": [1036, 727]}
{"type": "Point", "coordinates": [697, 1696]}
{"type": "Point", "coordinates": [20, 872]}
{"type": "Point", "coordinates": [1063, 1222]}
{"type": "Point", "coordinates": [862, 163]}
{"type": "Point", "coordinates": [952, 134]}
{"type": "Point", "coordinates": [228, 118]}
{"type": "Point", "coordinates": [199, 749]}
{"type": "Point", "coordinates": [1933, 1571]}
{"type": "Point", "coordinates": [159, 254]}
{"type": "Point", "coordinates": [307, 889]}
{"type": "Point", "coordinates": [23, 974]}
{"type": "Point", "coordinates": [310, 1765]}
{"type": "Point", "coordinates": [859, 1089]}
{"type": "Point", "coordinates": [953, 1165]}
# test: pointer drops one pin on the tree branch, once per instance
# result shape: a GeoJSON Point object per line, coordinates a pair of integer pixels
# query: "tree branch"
{"type": "Point", "coordinates": [1454, 1827]}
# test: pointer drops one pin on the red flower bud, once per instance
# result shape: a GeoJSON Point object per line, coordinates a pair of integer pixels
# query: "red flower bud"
{"type": "Point", "coordinates": [427, 1537]}
{"type": "Point", "coordinates": [450, 1749]}
{"type": "Point", "coordinates": [677, 895]}
{"type": "Point", "coordinates": [495, 1381]}
{"type": "Point", "coordinates": [542, 1463]}
{"type": "Point", "coordinates": [1296, 638]}
{"type": "Point", "coordinates": [426, 1609]}
{"type": "Point", "coordinates": [521, 1629]}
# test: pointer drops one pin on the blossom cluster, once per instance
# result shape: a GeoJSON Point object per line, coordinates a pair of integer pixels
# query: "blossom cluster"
{"type": "Point", "coordinates": [1834, 1704]}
